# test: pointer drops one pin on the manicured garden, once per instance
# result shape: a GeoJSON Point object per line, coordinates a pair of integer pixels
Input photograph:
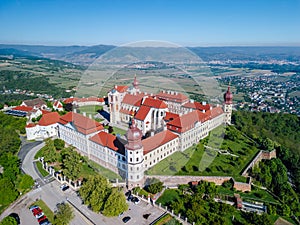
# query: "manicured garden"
{"type": "Point", "coordinates": [220, 154]}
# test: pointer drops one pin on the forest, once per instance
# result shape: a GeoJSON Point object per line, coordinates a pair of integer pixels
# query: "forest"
{"type": "Point", "coordinates": [282, 129]}
{"type": "Point", "coordinates": [12, 181]}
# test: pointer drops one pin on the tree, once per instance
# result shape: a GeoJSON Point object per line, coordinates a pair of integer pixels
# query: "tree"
{"type": "Point", "coordinates": [267, 144]}
{"type": "Point", "coordinates": [71, 164]}
{"type": "Point", "coordinates": [8, 192]}
{"type": "Point", "coordinates": [64, 214]}
{"type": "Point", "coordinates": [9, 221]}
{"type": "Point", "coordinates": [26, 182]}
{"type": "Point", "coordinates": [49, 151]}
{"type": "Point", "coordinates": [59, 144]}
{"type": "Point", "coordinates": [11, 164]}
{"type": "Point", "coordinates": [115, 203]}
{"type": "Point", "coordinates": [94, 192]}
{"type": "Point", "coordinates": [154, 185]}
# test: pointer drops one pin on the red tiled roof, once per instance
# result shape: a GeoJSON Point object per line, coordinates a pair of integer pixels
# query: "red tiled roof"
{"type": "Point", "coordinates": [45, 111]}
{"type": "Point", "coordinates": [70, 100]}
{"type": "Point", "coordinates": [57, 104]}
{"type": "Point", "coordinates": [155, 103]}
{"type": "Point", "coordinates": [170, 116]}
{"type": "Point", "coordinates": [125, 111]}
{"type": "Point", "coordinates": [83, 124]}
{"type": "Point", "coordinates": [175, 97]}
{"type": "Point", "coordinates": [157, 140]}
{"type": "Point", "coordinates": [105, 139]}
{"type": "Point", "coordinates": [187, 121]}
{"type": "Point", "coordinates": [184, 122]}
{"type": "Point", "coordinates": [121, 89]}
{"type": "Point", "coordinates": [89, 99]}
{"type": "Point", "coordinates": [142, 113]}
{"type": "Point", "coordinates": [23, 108]}
{"type": "Point", "coordinates": [197, 105]}
{"type": "Point", "coordinates": [30, 125]}
{"type": "Point", "coordinates": [135, 100]}
{"type": "Point", "coordinates": [214, 112]}
{"type": "Point", "coordinates": [49, 119]}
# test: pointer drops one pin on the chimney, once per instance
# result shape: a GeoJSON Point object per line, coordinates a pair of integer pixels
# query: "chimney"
{"type": "Point", "coordinates": [192, 100]}
{"type": "Point", "coordinates": [152, 133]}
{"type": "Point", "coordinates": [90, 116]}
{"type": "Point", "coordinates": [84, 113]}
{"type": "Point", "coordinates": [203, 111]}
{"type": "Point", "coordinates": [203, 103]}
{"type": "Point", "coordinates": [74, 110]}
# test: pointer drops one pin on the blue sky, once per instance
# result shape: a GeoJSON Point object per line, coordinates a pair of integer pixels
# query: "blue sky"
{"type": "Point", "coordinates": [185, 22]}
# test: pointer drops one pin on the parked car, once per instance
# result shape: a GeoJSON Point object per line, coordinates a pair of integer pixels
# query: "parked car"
{"type": "Point", "coordinates": [37, 213]}
{"type": "Point", "coordinates": [129, 198]}
{"type": "Point", "coordinates": [42, 218]}
{"type": "Point", "coordinates": [34, 207]}
{"type": "Point", "coordinates": [44, 222]}
{"type": "Point", "coordinates": [135, 200]}
{"type": "Point", "coordinates": [126, 219]}
{"type": "Point", "coordinates": [64, 187]}
{"type": "Point", "coordinates": [128, 193]}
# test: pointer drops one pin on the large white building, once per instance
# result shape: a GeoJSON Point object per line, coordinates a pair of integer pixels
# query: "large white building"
{"type": "Point", "coordinates": [159, 125]}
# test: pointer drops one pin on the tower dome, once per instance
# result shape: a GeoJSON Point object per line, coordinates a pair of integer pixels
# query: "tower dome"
{"type": "Point", "coordinates": [228, 96]}
{"type": "Point", "coordinates": [134, 137]}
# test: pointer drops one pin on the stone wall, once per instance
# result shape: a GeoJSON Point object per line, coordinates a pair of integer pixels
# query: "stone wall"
{"type": "Point", "coordinates": [260, 156]}
{"type": "Point", "coordinates": [172, 181]}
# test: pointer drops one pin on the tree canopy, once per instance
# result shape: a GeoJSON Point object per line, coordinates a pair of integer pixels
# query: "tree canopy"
{"type": "Point", "coordinates": [64, 214]}
{"type": "Point", "coordinates": [97, 193]}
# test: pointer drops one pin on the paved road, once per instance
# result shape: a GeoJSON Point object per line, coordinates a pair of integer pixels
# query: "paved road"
{"type": "Point", "coordinates": [26, 147]}
{"type": "Point", "coordinates": [27, 163]}
{"type": "Point", "coordinates": [51, 194]}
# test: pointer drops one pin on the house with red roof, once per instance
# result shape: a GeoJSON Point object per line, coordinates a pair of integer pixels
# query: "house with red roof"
{"type": "Point", "coordinates": [45, 128]}
{"type": "Point", "coordinates": [28, 111]}
{"type": "Point", "coordinates": [57, 105]}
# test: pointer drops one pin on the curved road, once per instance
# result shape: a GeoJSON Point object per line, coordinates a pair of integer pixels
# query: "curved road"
{"type": "Point", "coordinates": [51, 194]}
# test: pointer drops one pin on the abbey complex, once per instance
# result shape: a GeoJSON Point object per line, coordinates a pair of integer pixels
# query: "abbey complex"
{"type": "Point", "coordinates": [158, 125]}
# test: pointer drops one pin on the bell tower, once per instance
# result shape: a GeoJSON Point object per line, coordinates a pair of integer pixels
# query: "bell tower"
{"type": "Point", "coordinates": [134, 156]}
{"type": "Point", "coordinates": [228, 106]}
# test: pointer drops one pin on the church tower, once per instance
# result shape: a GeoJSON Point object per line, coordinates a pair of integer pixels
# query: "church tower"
{"type": "Point", "coordinates": [134, 156]}
{"type": "Point", "coordinates": [228, 106]}
{"type": "Point", "coordinates": [135, 83]}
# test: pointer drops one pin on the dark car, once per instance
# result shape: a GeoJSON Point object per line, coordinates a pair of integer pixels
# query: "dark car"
{"type": "Point", "coordinates": [64, 187]}
{"type": "Point", "coordinates": [126, 219]}
{"type": "Point", "coordinates": [129, 198]}
{"type": "Point", "coordinates": [16, 217]}
{"type": "Point", "coordinates": [44, 222]}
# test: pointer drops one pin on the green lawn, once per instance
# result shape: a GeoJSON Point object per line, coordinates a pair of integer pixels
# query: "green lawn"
{"type": "Point", "coordinates": [256, 194]}
{"type": "Point", "coordinates": [172, 164]}
{"type": "Point", "coordinates": [46, 210]}
{"type": "Point", "coordinates": [201, 161]}
{"type": "Point", "coordinates": [168, 196]}
{"type": "Point", "coordinates": [103, 171]}
{"type": "Point", "coordinates": [90, 109]}
{"type": "Point", "coordinates": [39, 154]}
{"type": "Point", "coordinates": [43, 172]}
{"type": "Point", "coordinates": [119, 131]}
